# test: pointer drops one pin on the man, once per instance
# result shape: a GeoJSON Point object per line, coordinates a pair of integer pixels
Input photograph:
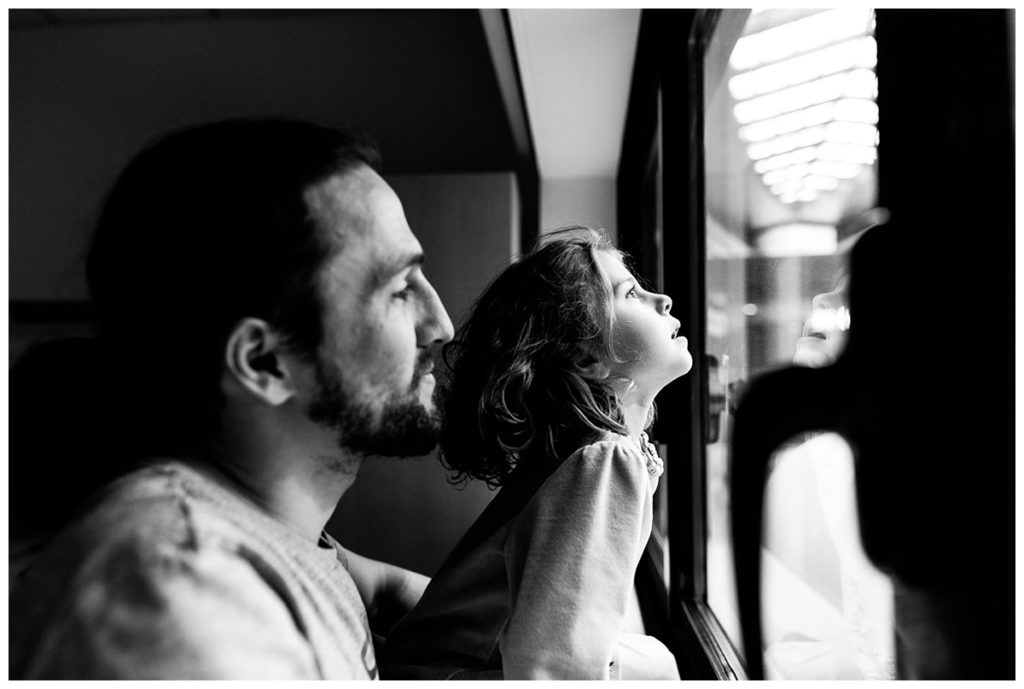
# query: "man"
{"type": "Point", "coordinates": [266, 324]}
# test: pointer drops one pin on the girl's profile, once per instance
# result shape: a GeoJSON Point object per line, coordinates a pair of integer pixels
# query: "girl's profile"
{"type": "Point", "coordinates": [551, 388]}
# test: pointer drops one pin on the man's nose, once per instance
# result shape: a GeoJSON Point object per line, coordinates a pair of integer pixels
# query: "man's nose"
{"type": "Point", "coordinates": [437, 327]}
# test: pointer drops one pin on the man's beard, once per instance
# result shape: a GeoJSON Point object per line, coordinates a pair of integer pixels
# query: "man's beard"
{"type": "Point", "coordinates": [403, 426]}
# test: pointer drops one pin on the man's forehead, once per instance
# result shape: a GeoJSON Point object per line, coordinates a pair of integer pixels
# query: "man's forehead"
{"type": "Point", "coordinates": [353, 200]}
{"type": "Point", "coordinates": [364, 217]}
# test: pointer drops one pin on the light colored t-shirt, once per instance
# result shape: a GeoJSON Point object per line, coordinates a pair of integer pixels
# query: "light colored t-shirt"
{"type": "Point", "coordinates": [173, 576]}
{"type": "Point", "coordinates": [539, 587]}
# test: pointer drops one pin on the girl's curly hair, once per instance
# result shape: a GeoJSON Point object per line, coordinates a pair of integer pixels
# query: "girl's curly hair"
{"type": "Point", "coordinates": [515, 390]}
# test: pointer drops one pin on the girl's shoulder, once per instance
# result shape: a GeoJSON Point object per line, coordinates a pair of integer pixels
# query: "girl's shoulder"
{"type": "Point", "coordinates": [616, 449]}
{"type": "Point", "coordinates": [608, 447]}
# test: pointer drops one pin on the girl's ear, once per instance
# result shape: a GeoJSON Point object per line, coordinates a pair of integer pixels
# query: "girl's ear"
{"type": "Point", "coordinates": [596, 370]}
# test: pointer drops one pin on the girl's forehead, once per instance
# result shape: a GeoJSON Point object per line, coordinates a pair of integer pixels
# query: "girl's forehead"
{"type": "Point", "coordinates": [611, 266]}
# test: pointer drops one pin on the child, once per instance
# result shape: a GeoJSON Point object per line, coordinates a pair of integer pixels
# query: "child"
{"type": "Point", "coordinates": [553, 379]}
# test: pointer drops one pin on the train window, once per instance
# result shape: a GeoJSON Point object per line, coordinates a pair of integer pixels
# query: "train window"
{"type": "Point", "coordinates": [790, 182]}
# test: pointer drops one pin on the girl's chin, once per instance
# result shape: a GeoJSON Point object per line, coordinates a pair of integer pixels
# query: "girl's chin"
{"type": "Point", "coordinates": [684, 366]}
{"type": "Point", "coordinates": [678, 371]}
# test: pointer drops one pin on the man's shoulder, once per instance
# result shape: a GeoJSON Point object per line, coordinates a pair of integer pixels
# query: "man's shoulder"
{"type": "Point", "coordinates": [155, 510]}
{"type": "Point", "coordinates": [170, 574]}
{"type": "Point", "coordinates": [153, 504]}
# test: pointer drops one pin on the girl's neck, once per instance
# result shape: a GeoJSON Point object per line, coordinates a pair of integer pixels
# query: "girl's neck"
{"type": "Point", "coordinates": [636, 414]}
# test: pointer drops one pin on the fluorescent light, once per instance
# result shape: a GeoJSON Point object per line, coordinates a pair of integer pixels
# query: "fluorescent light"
{"type": "Point", "coordinates": [803, 155]}
{"type": "Point", "coordinates": [852, 133]}
{"type": "Point", "coordinates": [775, 176]}
{"type": "Point", "coordinates": [861, 52]}
{"type": "Point", "coordinates": [790, 122]}
{"type": "Point", "coordinates": [821, 183]}
{"type": "Point", "coordinates": [790, 186]}
{"type": "Point", "coordinates": [847, 153]}
{"type": "Point", "coordinates": [788, 142]}
{"type": "Point", "coordinates": [861, 83]}
{"type": "Point", "coordinates": [804, 99]}
{"type": "Point", "coordinates": [857, 110]}
{"type": "Point", "coordinates": [792, 38]}
{"type": "Point", "coordinates": [828, 168]}
{"type": "Point", "coordinates": [798, 239]}
{"type": "Point", "coordinates": [857, 83]}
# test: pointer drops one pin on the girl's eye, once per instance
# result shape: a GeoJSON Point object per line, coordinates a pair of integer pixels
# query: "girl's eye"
{"type": "Point", "coordinates": [631, 294]}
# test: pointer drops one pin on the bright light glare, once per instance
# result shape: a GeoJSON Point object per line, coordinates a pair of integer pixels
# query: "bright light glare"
{"type": "Point", "coordinates": [803, 155]}
{"type": "Point", "coordinates": [821, 183]}
{"type": "Point", "coordinates": [861, 83]}
{"type": "Point", "coordinates": [790, 186]}
{"type": "Point", "coordinates": [792, 38]}
{"type": "Point", "coordinates": [858, 83]}
{"type": "Point", "coordinates": [860, 52]}
{"type": "Point", "coordinates": [852, 133]}
{"type": "Point", "coordinates": [798, 239]}
{"type": "Point", "coordinates": [843, 318]}
{"type": "Point", "coordinates": [847, 153]}
{"type": "Point", "coordinates": [824, 320]}
{"type": "Point", "coordinates": [789, 142]}
{"type": "Point", "coordinates": [804, 97]}
{"type": "Point", "coordinates": [828, 168]}
{"type": "Point", "coordinates": [790, 122]}
{"type": "Point", "coordinates": [776, 176]}
{"type": "Point", "coordinates": [857, 110]}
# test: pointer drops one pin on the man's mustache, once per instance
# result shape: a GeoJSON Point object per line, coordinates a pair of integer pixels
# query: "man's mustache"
{"type": "Point", "coordinates": [424, 365]}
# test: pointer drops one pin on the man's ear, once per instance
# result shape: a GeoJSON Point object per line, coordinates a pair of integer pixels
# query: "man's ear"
{"type": "Point", "coordinates": [253, 358]}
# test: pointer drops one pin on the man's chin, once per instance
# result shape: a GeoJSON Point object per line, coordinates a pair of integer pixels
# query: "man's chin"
{"type": "Point", "coordinates": [408, 430]}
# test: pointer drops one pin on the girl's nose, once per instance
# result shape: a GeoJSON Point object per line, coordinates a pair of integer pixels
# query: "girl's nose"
{"type": "Point", "coordinates": [827, 300]}
{"type": "Point", "coordinates": [664, 303]}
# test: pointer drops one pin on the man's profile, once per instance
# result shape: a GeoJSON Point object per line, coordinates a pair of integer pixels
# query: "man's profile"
{"type": "Point", "coordinates": [265, 321]}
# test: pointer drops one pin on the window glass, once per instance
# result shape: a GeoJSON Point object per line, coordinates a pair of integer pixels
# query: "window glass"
{"type": "Point", "coordinates": [790, 145]}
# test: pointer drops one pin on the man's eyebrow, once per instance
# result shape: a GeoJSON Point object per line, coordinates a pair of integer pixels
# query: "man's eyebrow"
{"type": "Point", "coordinates": [416, 259]}
{"type": "Point", "coordinates": [384, 273]}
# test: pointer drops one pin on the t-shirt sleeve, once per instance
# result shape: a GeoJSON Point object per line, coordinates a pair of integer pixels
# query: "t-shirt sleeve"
{"type": "Point", "coordinates": [571, 560]}
{"type": "Point", "coordinates": [173, 614]}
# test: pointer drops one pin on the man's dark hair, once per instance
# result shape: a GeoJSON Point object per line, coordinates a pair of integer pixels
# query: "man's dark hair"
{"type": "Point", "coordinates": [205, 227]}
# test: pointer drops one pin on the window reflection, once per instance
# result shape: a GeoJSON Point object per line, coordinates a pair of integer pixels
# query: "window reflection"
{"type": "Point", "coordinates": [790, 143]}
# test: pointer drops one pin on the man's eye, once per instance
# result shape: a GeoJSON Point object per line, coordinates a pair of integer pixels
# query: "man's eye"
{"type": "Point", "coordinates": [402, 294]}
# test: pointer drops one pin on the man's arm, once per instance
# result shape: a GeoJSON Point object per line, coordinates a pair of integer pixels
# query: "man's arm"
{"type": "Point", "coordinates": [388, 591]}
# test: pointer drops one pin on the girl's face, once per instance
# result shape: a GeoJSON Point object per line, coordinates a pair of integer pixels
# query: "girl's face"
{"type": "Point", "coordinates": [644, 335]}
{"type": "Point", "coordinates": [824, 333]}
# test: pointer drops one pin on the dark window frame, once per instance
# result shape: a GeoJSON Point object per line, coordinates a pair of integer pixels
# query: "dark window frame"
{"type": "Point", "coordinates": [668, 88]}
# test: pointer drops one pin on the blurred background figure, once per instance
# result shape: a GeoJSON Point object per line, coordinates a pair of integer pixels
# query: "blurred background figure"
{"type": "Point", "coordinates": [852, 637]}
{"type": "Point", "coordinates": [824, 333]}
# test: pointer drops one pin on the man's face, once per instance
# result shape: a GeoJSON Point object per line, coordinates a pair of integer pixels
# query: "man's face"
{"type": "Point", "coordinates": [382, 322]}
